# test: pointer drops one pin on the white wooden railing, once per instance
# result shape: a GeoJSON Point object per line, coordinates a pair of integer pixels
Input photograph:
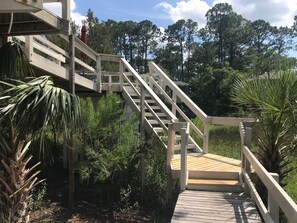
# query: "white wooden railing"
{"type": "Point", "coordinates": [53, 59]}
{"type": "Point", "coordinates": [277, 197]}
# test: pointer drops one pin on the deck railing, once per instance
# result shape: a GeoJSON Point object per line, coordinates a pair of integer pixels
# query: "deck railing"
{"type": "Point", "coordinates": [277, 197]}
{"type": "Point", "coordinates": [50, 57]}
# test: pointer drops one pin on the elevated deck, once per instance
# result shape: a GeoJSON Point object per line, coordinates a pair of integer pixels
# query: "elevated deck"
{"type": "Point", "coordinates": [30, 17]}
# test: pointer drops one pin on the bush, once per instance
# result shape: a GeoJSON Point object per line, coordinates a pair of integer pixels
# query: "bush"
{"type": "Point", "coordinates": [38, 201]}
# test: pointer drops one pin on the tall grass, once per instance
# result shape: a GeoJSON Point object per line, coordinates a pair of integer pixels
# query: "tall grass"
{"type": "Point", "coordinates": [224, 141]}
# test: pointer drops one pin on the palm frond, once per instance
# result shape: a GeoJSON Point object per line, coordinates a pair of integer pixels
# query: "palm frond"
{"type": "Point", "coordinates": [13, 62]}
{"type": "Point", "coordinates": [34, 105]}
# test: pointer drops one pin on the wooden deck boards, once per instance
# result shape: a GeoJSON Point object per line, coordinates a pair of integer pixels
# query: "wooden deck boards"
{"type": "Point", "coordinates": [207, 162]}
{"type": "Point", "coordinates": [213, 207]}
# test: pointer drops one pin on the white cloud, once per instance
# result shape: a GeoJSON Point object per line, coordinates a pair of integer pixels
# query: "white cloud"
{"type": "Point", "coordinates": [277, 12]}
{"type": "Point", "coordinates": [56, 8]}
{"type": "Point", "coordinates": [191, 9]}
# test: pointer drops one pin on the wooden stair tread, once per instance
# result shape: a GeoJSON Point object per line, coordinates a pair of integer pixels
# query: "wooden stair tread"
{"type": "Point", "coordinates": [152, 121]}
{"type": "Point", "coordinates": [214, 182]}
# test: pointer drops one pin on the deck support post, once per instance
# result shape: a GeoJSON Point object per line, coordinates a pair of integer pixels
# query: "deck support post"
{"type": "Point", "coordinates": [183, 162]}
{"type": "Point", "coordinates": [273, 207]}
{"type": "Point", "coordinates": [142, 133]}
{"type": "Point", "coordinates": [71, 149]}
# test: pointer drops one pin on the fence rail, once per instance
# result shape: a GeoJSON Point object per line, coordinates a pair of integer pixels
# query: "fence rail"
{"type": "Point", "coordinates": [277, 197]}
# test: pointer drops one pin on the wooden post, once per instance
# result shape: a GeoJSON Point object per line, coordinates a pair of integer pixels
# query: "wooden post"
{"type": "Point", "coordinates": [170, 148]}
{"type": "Point", "coordinates": [71, 143]}
{"type": "Point", "coordinates": [273, 207]}
{"type": "Point", "coordinates": [29, 47]}
{"type": "Point", "coordinates": [142, 133]}
{"type": "Point", "coordinates": [66, 16]}
{"type": "Point", "coordinates": [121, 71]}
{"type": "Point", "coordinates": [183, 157]}
{"type": "Point", "coordinates": [205, 137]}
{"type": "Point", "coordinates": [170, 145]}
{"type": "Point", "coordinates": [242, 156]}
{"type": "Point", "coordinates": [247, 164]}
{"type": "Point", "coordinates": [98, 71]}
{"type": "Point", "coordinates": [248, 137]}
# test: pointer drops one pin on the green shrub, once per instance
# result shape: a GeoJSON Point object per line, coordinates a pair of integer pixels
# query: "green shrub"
{"type": "Point", "coordinates": [38, 201]}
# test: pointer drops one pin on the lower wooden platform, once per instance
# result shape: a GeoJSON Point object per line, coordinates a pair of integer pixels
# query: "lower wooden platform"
{"type": "Point", "coordinates": [213, 207]}
{"type": "Point", "coordinates": [207, 162]}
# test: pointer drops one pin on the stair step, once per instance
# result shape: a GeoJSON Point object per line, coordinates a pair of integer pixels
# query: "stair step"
{"type": "Point", "coordinates": [219, 175]}
{"type": "Point", "coordinates": [158, 129]}
{"type": "Point", "coordinates": [148, 114]}
{"type": "Point", "coordinates": [214, 185]}
{"type": "Point", "coordinates": [154, 107]}
{"type": "Point", "coordinates": [154, 122]}
{"type": "Point", "coordinates": [150, 101]}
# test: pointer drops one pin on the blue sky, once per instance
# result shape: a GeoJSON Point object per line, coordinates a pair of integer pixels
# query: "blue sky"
{"type": "Point", "coordinates": [134, 10]}
{"type": "Point", "coordinates": [166, 12]}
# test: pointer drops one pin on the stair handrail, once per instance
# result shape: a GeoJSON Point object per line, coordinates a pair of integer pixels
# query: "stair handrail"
{"type": "Point", "coordinates": [277, 197]}
{"type": "Point", "coordinates": [177, 92]}
{"type": "Point", "coordinates": [148, 89]}
{"type": "Point", "coordinates": [185, 98]}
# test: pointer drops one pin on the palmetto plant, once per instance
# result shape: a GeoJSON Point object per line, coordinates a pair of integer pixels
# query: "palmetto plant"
{"type": "Point", "coordinates": [274, 102]}
{"type": "Point", "coordinates": [27, 109]}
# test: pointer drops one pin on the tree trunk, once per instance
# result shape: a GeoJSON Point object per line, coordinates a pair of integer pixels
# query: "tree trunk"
{"type": "Point", "coordinates": [16, 183]}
